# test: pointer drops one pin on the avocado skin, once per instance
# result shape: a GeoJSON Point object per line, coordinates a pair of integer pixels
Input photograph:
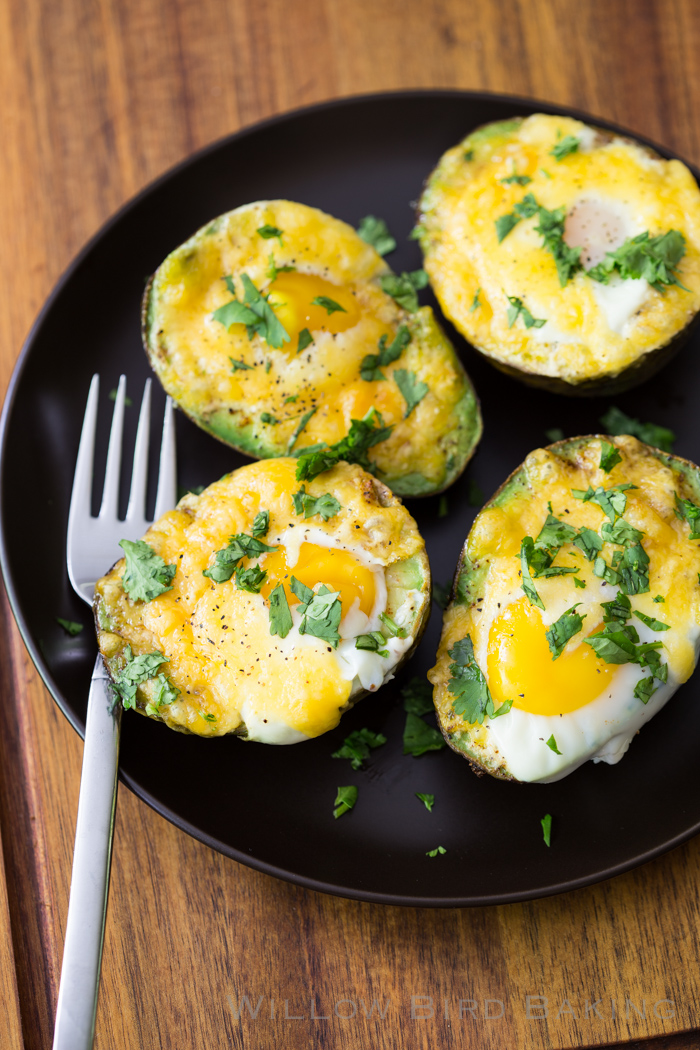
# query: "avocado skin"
{"type": "Point", "coordinates": [467, 584]}
{"type": "Point", "coordinates": [235, 428]}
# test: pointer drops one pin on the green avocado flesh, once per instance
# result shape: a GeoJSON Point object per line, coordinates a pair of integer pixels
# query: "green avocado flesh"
{"type": "Point", "coordinates": [271, 393]}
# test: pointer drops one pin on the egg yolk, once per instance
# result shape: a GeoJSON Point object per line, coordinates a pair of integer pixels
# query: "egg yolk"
{"type": "Point", "coordinates": [338, 569]}
{"type": "Point", "coordinates": [520, 665]}
{"type": "Point", "coordinates": [292, 297]}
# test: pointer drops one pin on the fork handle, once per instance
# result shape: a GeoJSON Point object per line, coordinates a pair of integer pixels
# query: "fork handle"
{"type": "Point", "coordinates": [87, 908]}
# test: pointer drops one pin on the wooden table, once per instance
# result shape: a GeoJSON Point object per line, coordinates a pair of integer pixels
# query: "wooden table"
{"type": "Point", "coordinates": [96, 100]}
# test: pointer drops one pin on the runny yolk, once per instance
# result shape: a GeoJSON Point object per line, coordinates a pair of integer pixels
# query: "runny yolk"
{"type": "Point", "coordinates": [338, 569]}
{"type": "Point", "coordinates": [521, 668]}
{"type": "Point", "coordinates": [292, 295]}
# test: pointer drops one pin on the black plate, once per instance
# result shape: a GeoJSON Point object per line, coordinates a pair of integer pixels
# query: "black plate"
{"type": "Point", "coordinates": [271, 807]}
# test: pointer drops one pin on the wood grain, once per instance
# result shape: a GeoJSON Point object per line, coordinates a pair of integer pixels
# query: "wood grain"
{"type": "Point", "coordinates": [96, 99]}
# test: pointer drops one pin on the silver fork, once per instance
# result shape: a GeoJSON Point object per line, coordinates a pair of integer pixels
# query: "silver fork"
{"type": "Point", "coordinates": [92, 547]}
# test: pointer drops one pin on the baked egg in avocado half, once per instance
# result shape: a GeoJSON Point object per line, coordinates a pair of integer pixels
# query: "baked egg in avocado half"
{"type": "Point", "coordinates": [565, 254]}
{"type": "Point", "coordinates": [276, 325]}
{"type": "Point", "coordinates": [574, 611]}
{"type": "Point", "coordinates": [263, 607]}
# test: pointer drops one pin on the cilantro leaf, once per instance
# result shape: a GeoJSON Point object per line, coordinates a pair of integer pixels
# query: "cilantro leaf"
{"type": "Point", "coordinates": [136, 671]}
{"type": "Point", "coordinates": [645, 688]}
{"type": "Point", "coordinates": [619, 609]}
{"type": "Point", "coordinates": [476, 302]}
{"type": "Point", "coordinates": [418, 696]}
{"type": "Point", "coordinates": [321, 616]}
{"type": "Point", "coordinates": [305, 339]}
{"type": "Point", "coordinates": [434, 852]}
{"type": "Point", "coordinates": [271, 421]}
{"type": "Point", "coordinates": [552, 745]}
{"type": "Point", "coordinates": [564, 147]}
{"type": "Point", "coordinates": [280, 616]}
{"type": "Point", "coordinates": [427, 800]}
{"type": "Point", "coordinates": [517, 180]}
{"type": "Point", "coordinates": [273, 269]}
{"type": "Point", "coordinates": [653, 258]}
{"type": "Point", "coordinates": [267, 325]}
{"type": "Point", "coordinates": [579, 583]}
{"type": "Point", "coordinates": [546, 823]}
{"type": "Point", "coordinates": [651, 622]}
{"type": "Point", "coordinates": [517, 309]}
{"type": "Point", "coordinates": [353, 448]}
{"type": "Point", "coordinates": [376, 232]}
{"type": "Point", "coordinates": [251, 579]}
{"type": "Point", "coordinates": [329, 305]}
{"type": "Point", "coordinates": [164, 695]}
{"type": "Point", "coordinates": [413, 390]}
{"type": "Point", "coordinates": [568, 624]}
{"type": "Point", "coordinates": [621, 533]}
{"type": "Point", "coordinates": [267, 232]}
{"type": "Point", "coordinates": [235, 312]}
{"type": "Point", "coordinates": [504, 224]}
{"type": "Point", "coordinates": [226, 560]}
{"type": "Point", "coordinates": [617, 422]}
{"type": "Point", "coordinates": [687, 511]}
{"type": "Point", "coordinates": [659, 598]}
{"type": "Point", "coordinates": [473, 701]}
{"type": "Point", "coordinates": [391, 627]}
{"type": "Point", "coordinates": [372, 363]}
{"type": "Point", "coordinates": [239, 366]}
{"type": "Point", "coordinates": [527, 549]}
{"type": "Point", "coordinates": [300, 426]}
{"type": "Point", "coordinates": [146, 574]}
{"type": "Point", "coordinates": [551, 227]}
{"type": "Point", "coordinates": [303, 593]}
{"type": "Point", "coordinates": [261, 523]}
{"type": "Point", "coordinates": [71, 627]}
{"type": "Point", "coordinates": [402, 288]}
{"type": "Point", "coordinates": [419, 737]}
{"type": "Point", "coordinates": [633, 568]}
{"type": "Point", "coordinates": [609, 456]}
{"type": "Point", "coordinates": [554, 533]}
{"type": "Point", "coordinates": [373, 642]}
{"type": "Point", "coordinates": [612, 501]}
{"type": "Point", "coordinates": [344, 800]}
{"type": "Point", "coordinates": [617, 646]}
{"type": "Point", "coordinates": [357, 746]}
{"type": "Point", "coordinates": [326, 505]}
{"type": "Point", "coordinates": [589, 542]}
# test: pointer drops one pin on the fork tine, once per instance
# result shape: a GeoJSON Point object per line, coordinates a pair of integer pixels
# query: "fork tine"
{"type": "Point", "coordinates": [110, 494]}
{"type": "Point", "coordinates": [167, 474]}
{"type": "Point", "coordinates": [137, 496]}
{"type": "Point", "coordinates": [81, 496]}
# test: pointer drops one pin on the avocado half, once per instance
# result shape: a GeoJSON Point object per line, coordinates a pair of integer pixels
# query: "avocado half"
{"type": "Point", "coordinates": [227, 671]}
{"type": "Point", "coordinates": [480, 591]}
{"type": "Point", "coordinates": [585, 338]}
{"type": "Point", "coordinates": [275, 400]}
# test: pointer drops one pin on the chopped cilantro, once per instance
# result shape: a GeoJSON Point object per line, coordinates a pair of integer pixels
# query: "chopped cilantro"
{"type": "Point", "coordinates": [434, 852]}
{"type": "Point", "coordinates": [644, 688]}
{"type": "Point", "coordinates": [551, 228]}
{"type": "Point", "coordinates": [207, 716]}
{"type": "Point", "coordinates": [568, 624]}
{"type": "Point", "coordinates": [321, 612]}
{"type": "Point", "coordinates": [517, 180]}
{"type": "Point", "coordinates": [280, 616]}
{"type": "Point", "coordinates": [554, 434]}
{"type": "Point", "coordinates": [427, 800]}
{"type": "Point", "coordinates": [376, 232]}
{"type": "Point", "coordinates": [658, 599]}
{"type": "Point", "coordinates": [292, 399]}
{"type": "Point", "coordinates": [612, 501]}
{"type": "Point", "coordinates": [268, 366]}
{"type": "Point", "coordinates": [326, 505]}
{"type": "Point", "coordinates": [254, 312]}
{"type": "Point", "coordinates": [267, 232]}
{"type": "Point", "coordinates": [518, 309]}
{"type": "Point", "coordinates": [392, 628]}
{"type": "Point", "coordinates": [402, 288]}
{"type": "Point", "coordinates": [413, 390]}
{"type": "Point", "coordinates": [164, 694]}
{"type": "Point", "coordinates": [136, 671]}
{"type": "Point", "coordinates": [373, 642]}
{"type": "Point", "coordinates": [468, 155]}
{"type": "Point", "coordinates": [617, 422]}
{"type": "Point", "coordinates": [651, 622]}
{"type": "Point", "coordinates": [417, 696]}
{"type": "Point", "coordinates": [476, 302]}
{"type": "Point", "coordinates": [552, 745]}
{"type": "Point", "coordinates": [565, 147]}
{"type": "Point", "coordinates": [653, 258]}
{"type": "Point", "coordinates": [329, 305]}
{"type": "Point", "coordinates": [546, 823]}
{"type": "Point", "coordinates": [146, 574]}
{"type": "Point", "coordinates": [344, 800]}
{"type": "Point", "coordinates": [251, 579]}
{"type": "Point", "coordinates": [605, 572]}
{"type": "Point", "coordinates": [579, 583]}
{"type": "Point", "coordinates": [619, 609]}
{"type": "Point", "coordinates": [353, 448]}
{"type": "Point", "coordinates": [261, 523]}
{"type": "Point", "coordinates": [545, 173]}
{"type": "Point", "coordinates": [618, 645]}
{"type": "Point", "coordinates": [504, 224]}
{"type": "Point", "coordinates": [609, 456]}
{"type": "Point", "coordinates": [687, 511]}
{"type": "Point", "coordinates": [240, 366]}
{"type": "Point", "coordinates": [527, 548]}
{"type": "Point", "coordinates": [195, 490]}
{"type": "Point", "coordinates": [472, 698]}
{"type": "Point", "coordinates": [226, 560]}
{"type": "Point", "coordinates": [589, 542]}
{"type": "Point", "coordinates": [419, 737]}
{"type": "Point", "coordinates": [305, 339]}
{"type": "Point", "coordinates": [300, 426]}
{"type": "Point", "coordinates": [372, 363]}
{"type": "Point", "coordinates": [69, 626]}
{"type": "Point", "coordinates": [416, 233]}
{"type": "Point", "coordinates": [357, 746]}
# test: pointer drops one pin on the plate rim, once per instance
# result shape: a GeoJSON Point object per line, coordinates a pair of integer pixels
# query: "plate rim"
{"type": "Point", "coordinates": [342, 101]}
